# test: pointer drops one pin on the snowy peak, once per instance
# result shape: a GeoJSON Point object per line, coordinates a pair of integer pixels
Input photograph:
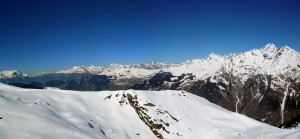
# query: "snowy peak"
{"type": "Point", "coordinates": [156, 65]}
{"type": "Point", "coordinates": [148, 66]}
{"type": "Point", "coordinates": [75, 69]}
{"type": "Point", "coordinates": [286, 49]}
{"type": "Point", "coordinates": [269, 48]}
{"type": "Point", "coordinates": [213, 56]}
{"type": "Point", "coordinates": [272, 49]}
{"type": "Point", "coordinates": [11, 74]}
{"type": "Point", "coordinates": [80, 69]}
{"type": "Point", "coordinates": [269, 60]}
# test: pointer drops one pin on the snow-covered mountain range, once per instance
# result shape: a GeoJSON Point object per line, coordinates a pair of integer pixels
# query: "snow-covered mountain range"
{"type": "Point", "coordinates": [261, 83]}
{"type": "Point", "coordinates": [269, 60]}
{"type": "Point", "coordinates": [121, 71]}
{"type": "Point", "coordinates": [126, 114]}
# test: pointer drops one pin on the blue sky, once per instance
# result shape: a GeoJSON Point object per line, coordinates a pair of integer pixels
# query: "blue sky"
{"type": "Point", "coordinates": [48, 35]}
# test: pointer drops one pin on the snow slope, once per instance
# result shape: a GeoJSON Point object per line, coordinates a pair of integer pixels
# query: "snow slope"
{"type": "Point", "coordinates": [201, 68]}
{"type": "Point", "coordinates": [130, 114]}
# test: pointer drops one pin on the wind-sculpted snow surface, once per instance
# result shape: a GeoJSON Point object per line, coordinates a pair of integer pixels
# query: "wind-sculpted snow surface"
{"type": "Point", "coordinates": [129, 114]}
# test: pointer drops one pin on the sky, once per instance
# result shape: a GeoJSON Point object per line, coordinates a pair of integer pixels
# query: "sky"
{"type": "Point", "coordinates": [49, 35]}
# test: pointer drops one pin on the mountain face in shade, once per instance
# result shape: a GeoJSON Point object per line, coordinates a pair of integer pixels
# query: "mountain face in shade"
{"type": "Point", "coordinates": [261, 83]}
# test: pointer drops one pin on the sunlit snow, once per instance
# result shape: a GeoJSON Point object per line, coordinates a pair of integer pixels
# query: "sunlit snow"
{"type": "Point", "coordinates": [54, 113]}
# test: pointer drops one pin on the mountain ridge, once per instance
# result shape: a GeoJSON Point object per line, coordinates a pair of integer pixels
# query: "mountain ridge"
{"type": "Point", "coordinates": [261, 83]}
{"type": "Point", "coordinates": [269, 51]}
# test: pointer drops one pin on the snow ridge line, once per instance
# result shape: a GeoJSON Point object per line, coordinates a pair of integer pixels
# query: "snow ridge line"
{"type": "Point", "coordinates": [146, 118]}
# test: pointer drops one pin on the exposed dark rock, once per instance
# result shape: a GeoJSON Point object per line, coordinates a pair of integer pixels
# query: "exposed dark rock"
{"type": "Point", "coordinates": [254, 98]}
{"type": "Point", "coordinates": [29, 86]}
{"type": "Point", "coordinates": [90, 125]}
{"type": "Point", "coordinates": [163, 80]}
{"type": "Point", "coordinates": [154, 127]}
{"type": "Point", "coordinates": [149, 104]}
{"type": "Point", "coordinates": [82, 83]}
{"type": "Point", "coordinates": [108, 97]}
{"type": "Point", "coordinates": [291, 124]}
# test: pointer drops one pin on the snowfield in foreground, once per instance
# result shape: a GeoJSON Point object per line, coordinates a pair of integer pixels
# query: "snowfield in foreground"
{"type": "Point", "coordinates": [53, 113]}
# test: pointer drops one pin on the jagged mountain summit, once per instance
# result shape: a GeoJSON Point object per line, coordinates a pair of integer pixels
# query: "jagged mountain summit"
{"type": "Point", "coordinates": [261, 83]}
{"type": "Point", "coordinates": [268, 60]}
{"type": "Point", "coordinates": [11, 74]}
{"type": "Point", "coordinates": [126, 114]}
